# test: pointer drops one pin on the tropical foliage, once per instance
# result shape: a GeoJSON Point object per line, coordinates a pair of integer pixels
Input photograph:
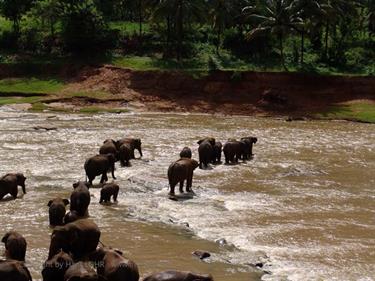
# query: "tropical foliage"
{"type": "Point", "coordinates": [298, 33]}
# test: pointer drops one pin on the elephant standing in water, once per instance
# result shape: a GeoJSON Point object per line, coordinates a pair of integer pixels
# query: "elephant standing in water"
{"type": "Point", "coordinates": [233, 151]}
{"type": "Point", "coordinates": [110, 147]}
{"type": "Point", "coordinates": [125, 154]}
{"type": "Point", "coordinates": [12, 270]}
{"type": "Point", "coordinates": [57, 211]}
{"type": "Point", "coordinates": [216, 157]}
{"type": "Point", "coordinates": [248, 151]}
{"type": "Point", "coordinates": [100, 165]}
{"type": "Point", "coordinates": [80, 199]}
{"type": "Point", "coordinates": [108, 190]}
{"type": "Point", "coordinates": [180, 171]}
{"type": "Point", "coordinates": [78, 238]}
{"type": "Point", "coordinates": [15, 246]}
{"type": "Point", "coordinates": [205, 150]}
{"type": "Point", "coordinates": [172, 275]}
{"type": "Point", "coordinates": [113, 266]}
{"type": "Point", "coordinates": [9, 184]}
{"type": "Point", "coordinates": [134, 144]}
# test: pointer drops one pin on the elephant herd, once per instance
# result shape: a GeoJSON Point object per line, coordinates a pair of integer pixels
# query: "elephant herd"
{"type": "Point", "coordinates": [74, 251]}
{"type": "Point", "coordinates": [209, 151]}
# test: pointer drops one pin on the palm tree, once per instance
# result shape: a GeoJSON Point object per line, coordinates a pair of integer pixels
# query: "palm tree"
{"type": "Point", "coordinates": [179, 11]}
{"type": "Point", "coordinates": [305, 9]}
{"type": "Point", "coordinates": [279, 17]}
{"type": "Point", "coordinates": [220, 11]}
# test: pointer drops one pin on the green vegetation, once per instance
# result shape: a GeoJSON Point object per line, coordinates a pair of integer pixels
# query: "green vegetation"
{"type": "Point", "coordinates": [319, 36]}
{"type": "Point", "coordinates": [30, 86]}
{"type": "Point", "coordinates": [357, 111]}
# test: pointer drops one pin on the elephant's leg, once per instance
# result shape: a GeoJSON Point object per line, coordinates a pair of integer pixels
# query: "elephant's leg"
{"type": "Point", "coordinates": [113, 172]}
{"type": "Point", "coordinates": [182, 186]}
{"type": "Point", "coordinates": [172, 186]}
{"type": "Point", "coordinates": [189, 183]}
{"type": "Point", "coordinates": [104, 178]}
{"type": "Point", "coordinates": [14, 192]}
{"type": "Point", "coordinates": [115, 196]}
{"type": "Point", "coordinates": [127, 163]}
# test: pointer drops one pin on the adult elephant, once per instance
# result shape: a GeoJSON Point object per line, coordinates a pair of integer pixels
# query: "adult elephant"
{"type": "Point", "coordinates": [233, 151]}
{"type": "Point", "coordinates": [12, 270]}
{"type": "Point", "coordinates": [100, 165]}
{"type": "Point", "coordinates": [205, 151]}
{"type": "Point", "coordinates": [180, 171]}
{"type": "Point", "coordinates": [9, 184]}
{"type": "Point", "coordinates": [15, 246]}
{"type": "Point", "coordinates": [249, 141]}
{"type": "Point", "coordinates": [134, 144]}
{"type": "Point", "coordinates": [172, 275]}
{"type": "Point", "coordinates": [81, 271]}
{"type": "Point", "coordinates": [126, 152]}
{"type": "Point", "coordinates": [186, 152]}
{"type": "Point", "coordinates": [57, 211]}
{"type": "Point", "coordinates": [110, 146]}
{"type": "Point", "coordinates": [80, 199]}
{"type": "Point", "coordinates": [216, 156]}
{"type": "Point", "coordinates": [113, 266]}
{"type": "Point", "coordinates": [54, 269]}
{"type": "Point", "coordinates": [79, 238]}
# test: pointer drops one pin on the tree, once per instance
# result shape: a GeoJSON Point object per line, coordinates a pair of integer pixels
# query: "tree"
{"type": "Point", "coordinates": [279, 17]}
{"type": "Point", "coordinates": [83, 26]}
{"type": "Point", "coordinates": [14, 9]}
{"type": "Point", "coordinates": [47, 11]}
{"type": "Point", "coordinates": [179, 11]}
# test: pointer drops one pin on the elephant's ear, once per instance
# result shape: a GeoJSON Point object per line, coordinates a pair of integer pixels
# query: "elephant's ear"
{"type": "Point", "coordinates": [200, 141]}
{"type": "Point", "coordinates": [66, 201]}
{"type": "Point", "coordinates": [5, 238]}
{"type": "Point", "coordinates": [50, 203]}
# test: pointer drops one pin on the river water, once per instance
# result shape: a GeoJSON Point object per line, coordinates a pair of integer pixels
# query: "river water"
{"type": "Point", "coordinates": [304, 206]}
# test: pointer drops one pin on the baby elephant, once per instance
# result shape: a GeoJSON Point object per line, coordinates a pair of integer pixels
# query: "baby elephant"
{"type": "Point", "coordinates": [55, 268]}
{"type": "Point", "coordinates": [57, 211]}
{"type": "Point", "coordinates": [172, 275]}
{"type": "Point", "coordinates": [108, 190]}
{"type": "Point", "coordinates": [81, 271]}
{"type": "Point", "coordinates": [15, 246]}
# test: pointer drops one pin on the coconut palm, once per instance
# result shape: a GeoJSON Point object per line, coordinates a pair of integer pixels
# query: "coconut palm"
{"type": "Point", "coordinates": [279, 17]}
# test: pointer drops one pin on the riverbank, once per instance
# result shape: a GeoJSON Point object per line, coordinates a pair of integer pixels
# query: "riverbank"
{"type": "Point", "coordinates": [108, 88]}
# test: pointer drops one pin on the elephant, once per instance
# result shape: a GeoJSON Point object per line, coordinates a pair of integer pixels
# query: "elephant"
{"type": "Point", "coordinates": [55, 268]}
{"type": "Point", "coordinates": [249, 141]}
{"type": "Point", "coordinates": [180, 171]}
{"type": "Point", "coordinates": [110, 146]}
{"type": "Point", "coordinates": [77, 238]}
{"type": "Point", "coordinates": [216, 156]}
{"type": "Point", "coordinates": [81, 271]}
{"type": "Point", "coordinates": [172, 275]}
{"type": "Point", "coordinates": [57, 211]}
{"type": "Point", "coordinates": [113, 266]}
{"type": "Point", "coordinates": [9, 184]}
{"type": "Point", "coordinates": [233, 151]}
{"type": "Point", "coordinates": [108, 190]}
{"type": "Point", "coordinates": [15, 246]}
{"type": "Point", "coordinates": [205, 151]}
{"type": "Point", "coordinates": [72, 216]}
{"type": "Point", "coordinates": [12, 270]}
{"type": "Point", "coordinates": [134, 144]}
{"type": "Point", "coordinates": [100, 165]}
{"type": "Point", "coordinates": [125, 154]}
{"type": "Point", "coordinates": [185, 152]}
{"type": "Point", "coordinates": [211, 140]}
{"type": "Point", "coordinates": [80, 199]}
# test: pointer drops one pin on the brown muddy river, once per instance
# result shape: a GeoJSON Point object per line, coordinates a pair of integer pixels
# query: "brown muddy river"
{"type": "Point", "coordinates": [305, 205]}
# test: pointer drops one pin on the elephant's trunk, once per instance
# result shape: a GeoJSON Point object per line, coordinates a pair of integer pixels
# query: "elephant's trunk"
{"type": "Point", "coordinates": [23, 188]}
{"type": "Point", "coordinates": [140, 151]}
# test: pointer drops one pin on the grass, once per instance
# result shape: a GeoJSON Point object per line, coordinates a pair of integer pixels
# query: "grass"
{"type": "Point", "coordinates": [130, 28]}
{"type": "Point", "coordinates": [357, 111]}
{"type": "Point", "coordinates": [17, 100]}
{"type": "Point", "coordinates": [30, 85]}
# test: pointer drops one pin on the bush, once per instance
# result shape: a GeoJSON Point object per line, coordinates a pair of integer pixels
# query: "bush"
{"type": "Point", "coordinates": [9, 40]}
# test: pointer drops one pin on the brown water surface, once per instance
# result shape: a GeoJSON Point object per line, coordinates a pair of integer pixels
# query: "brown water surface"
{"type": "Point", "coordinates": [305, 205]}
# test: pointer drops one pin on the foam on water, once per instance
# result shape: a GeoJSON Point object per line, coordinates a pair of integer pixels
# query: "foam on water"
{"type": "Point", "coordinates": [304, 205]}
